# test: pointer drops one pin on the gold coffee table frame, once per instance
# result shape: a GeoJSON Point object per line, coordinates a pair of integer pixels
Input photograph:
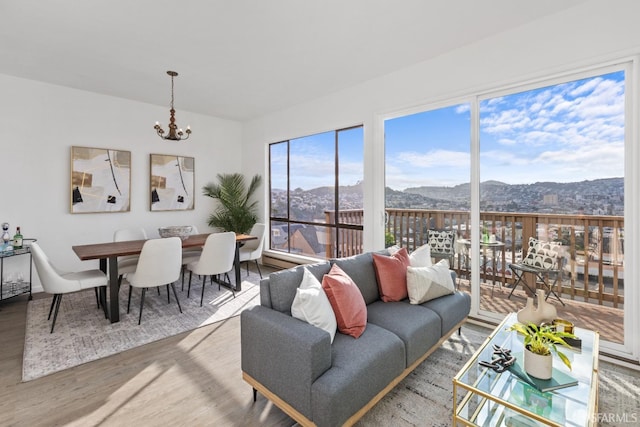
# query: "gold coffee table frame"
{"type": "Point", "coordinates": [502, 399]}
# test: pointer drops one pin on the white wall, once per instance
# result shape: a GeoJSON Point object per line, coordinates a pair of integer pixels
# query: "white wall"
{"type": "Point", "coordinates": [584, 35]}
{"type": "Point", "coordinates": [40, 123]}
{"type": "Point", "coordinates": [587, 35]}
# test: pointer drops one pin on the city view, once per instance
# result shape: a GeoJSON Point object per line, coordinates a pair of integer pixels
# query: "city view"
{"type": "Point", "coordinates": [596, 197]}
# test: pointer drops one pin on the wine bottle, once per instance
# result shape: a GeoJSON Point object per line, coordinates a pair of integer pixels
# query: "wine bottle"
{"type": "Point", "coordinates": [17, 239]}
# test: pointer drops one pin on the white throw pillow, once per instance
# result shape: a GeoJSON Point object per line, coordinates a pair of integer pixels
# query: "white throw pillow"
{"type": "Point", "coordinates": [393, 249]}
{"type": "Point", "coordinates": [421, 257]}
{"type": "Point", "coordinates": [312, 305]}
{"type": "Point", "coordinates": [427, 283]}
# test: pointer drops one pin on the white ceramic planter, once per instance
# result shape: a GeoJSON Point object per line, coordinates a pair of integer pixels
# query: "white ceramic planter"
{"type": "Point", "coordinates": [538, 366]}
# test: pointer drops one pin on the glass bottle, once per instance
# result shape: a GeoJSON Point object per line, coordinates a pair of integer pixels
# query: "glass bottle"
{"type": "Point", "coordinates": [17, 239]}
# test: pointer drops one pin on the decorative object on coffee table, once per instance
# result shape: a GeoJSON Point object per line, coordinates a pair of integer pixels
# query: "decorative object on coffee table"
{"type": "Point", "coordinates": [539, 343]}
{"type": "Point", "coordinates": [543, 313]}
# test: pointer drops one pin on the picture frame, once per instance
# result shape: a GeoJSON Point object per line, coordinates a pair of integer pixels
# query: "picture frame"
{"type": "Point", "coordinates": [171, 183]}
{"type": "Point", "coordinates": [100, 180]}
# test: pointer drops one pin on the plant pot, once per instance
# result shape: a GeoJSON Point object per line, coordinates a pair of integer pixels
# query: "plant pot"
{"type": "Point", "coordinates": [537, 365]}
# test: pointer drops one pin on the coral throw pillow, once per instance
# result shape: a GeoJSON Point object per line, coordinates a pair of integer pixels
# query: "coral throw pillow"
{"type": "Point", "coordinates": [347, 302]}
{"type": "Point", "coordinates": [391, 272]}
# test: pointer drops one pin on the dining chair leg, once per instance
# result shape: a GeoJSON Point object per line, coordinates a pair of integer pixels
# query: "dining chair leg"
{"type": "Point", "coordinates": [53, 302]}
{"type": "Point", "coordinates": [204, 281]}
{"type": "Point", "coordinates": [258, 267]}
{"type": "Point", "coordinates": [189, 288]}
{"type": "Point", "coordinates": [176, 295]}
{"type": "Point", "coordinates": [129, 300]}
{"type": "Point", "coordinates": [141, 305]}
{"type": "Point", "coordinates": [168, 296]}
{"type": "Point", "coordinates": [247, 264]}
{"type": "Point", "coordinates": [55, 313]}
{"type": "Point", "coordinates": [182, 271]}
{"type": "Point", "coordinates": [97, 298]}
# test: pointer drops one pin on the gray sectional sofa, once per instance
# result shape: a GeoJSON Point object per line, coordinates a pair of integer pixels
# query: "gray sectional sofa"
{"type": "Point", "coordinates": [316, 382]}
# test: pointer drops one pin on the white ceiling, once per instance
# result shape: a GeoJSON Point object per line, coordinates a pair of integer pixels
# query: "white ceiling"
{"type": "Point", "coordinates": [240, 59]}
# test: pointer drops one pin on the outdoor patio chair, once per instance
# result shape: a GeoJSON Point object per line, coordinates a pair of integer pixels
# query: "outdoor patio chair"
{"type": "Point", "coordinates": [544, 260]}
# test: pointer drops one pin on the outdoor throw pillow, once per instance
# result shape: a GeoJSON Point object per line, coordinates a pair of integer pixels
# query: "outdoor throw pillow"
{"type": "Point", "coordinates": [391, 272]}
{"type": "Point", "coordinates": [421, 257]}
{"type": "Point", "coordinates": [311, 305]}
{"type": "Point", "coordinates": [542, 254]}
{"type": "Point", "coordinates": [441, 241]}
{"type": "Point", "coordinates": [427, 283]}
{"type": "Point", "coordinates": [347, 302]}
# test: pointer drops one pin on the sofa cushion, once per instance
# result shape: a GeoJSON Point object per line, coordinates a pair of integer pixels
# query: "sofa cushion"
{"type": "Point", "coordinates": [359, 370]}
{"type": "Point", "coordinates": [421, 257]}
{"type": "Point", "coordinates": [391, 273]}
{"type": "Point", "coordinates": [427, 283]}
{"type": "Point", "coordinates": [452, 309]}
{"type": "Point", "coordinates": [283, 284]}
{"type": "Point", "coordinates": [311, 305]}
{"type": "Point", "coordinates": [346, 301]}
{"type": "Point", "coordinates": [360, 269]}
{"type": "Point", "coordinates": [418, 327]}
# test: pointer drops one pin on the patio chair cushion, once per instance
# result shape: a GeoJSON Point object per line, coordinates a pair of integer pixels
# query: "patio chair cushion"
{"type": "Point", "coordinates": [427, 283]}
{"type": "Point", "coordinates": [391, 272]}
{"type": "Point", "coordinates": [441, 241]}
{"type": "Point", "coordinates": [541, 254]}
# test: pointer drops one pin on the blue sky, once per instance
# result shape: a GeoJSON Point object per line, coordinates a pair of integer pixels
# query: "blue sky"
{"type": "Point", "coordinates": [563, 133]}
{"type": "Point", "coordinates": [568, 132]}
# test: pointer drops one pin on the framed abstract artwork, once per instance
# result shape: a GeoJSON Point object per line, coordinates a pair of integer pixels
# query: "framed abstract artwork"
{"type": "Point", "coordinates": [172, 182]}
{"type": "Point", "coordinates": [100, 180]}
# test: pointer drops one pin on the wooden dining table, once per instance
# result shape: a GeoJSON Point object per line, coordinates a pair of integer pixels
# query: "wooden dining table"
{"type": "Point", "coordinates": [109, 252]}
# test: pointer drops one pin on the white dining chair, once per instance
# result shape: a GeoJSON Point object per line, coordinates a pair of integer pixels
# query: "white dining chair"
{"type": "Point", "coordinates": [58, 283]}
{"type": "Point", "coordinates": [127, 264]}
{"type": "Point", "coordinates": [159, 265]}
{"type": "Point", "coordinates": [190, 254]}
{"type": "Point", "coordinates": [217, 258]}
{"type": "Point", "coordinates": [252, 249]}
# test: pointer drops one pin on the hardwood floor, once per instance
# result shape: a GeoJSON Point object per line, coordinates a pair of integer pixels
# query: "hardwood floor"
{"type": "Point", "coordinates": [191, 379]}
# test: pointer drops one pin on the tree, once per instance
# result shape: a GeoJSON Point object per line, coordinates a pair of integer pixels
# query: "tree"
{"type": "Point", "coordinates": [235, 212]}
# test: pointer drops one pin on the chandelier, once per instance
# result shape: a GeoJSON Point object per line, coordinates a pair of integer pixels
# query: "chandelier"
{"type": "Point", "coordinates": [175, 134]}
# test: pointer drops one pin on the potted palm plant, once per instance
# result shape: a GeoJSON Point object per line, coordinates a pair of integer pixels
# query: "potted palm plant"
{"type": "Point", "coordinates": [236, 211]}
{"type": "Point", "coordinates": [539, 343]}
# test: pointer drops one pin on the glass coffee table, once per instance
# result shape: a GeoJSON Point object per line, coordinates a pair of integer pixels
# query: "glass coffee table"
{"type": "Point", "coordinates": [503, 399]}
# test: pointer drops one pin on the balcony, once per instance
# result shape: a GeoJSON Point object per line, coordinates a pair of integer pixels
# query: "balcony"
{"type": "Point", "coordinates": [592, 280]}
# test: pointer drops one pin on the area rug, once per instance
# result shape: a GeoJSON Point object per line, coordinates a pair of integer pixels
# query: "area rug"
{"type": "Point", "coordinates": [82, 334]}
{"type": "Point", "coordinates": [425, 397]}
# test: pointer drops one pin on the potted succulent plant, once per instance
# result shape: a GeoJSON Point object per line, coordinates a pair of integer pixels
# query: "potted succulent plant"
{"type": "Point", "coordinates": [539, 343]}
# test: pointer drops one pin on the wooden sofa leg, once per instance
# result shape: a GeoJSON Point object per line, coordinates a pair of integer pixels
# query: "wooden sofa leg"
{"type": "Point", "coordinates": [255, 395]}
